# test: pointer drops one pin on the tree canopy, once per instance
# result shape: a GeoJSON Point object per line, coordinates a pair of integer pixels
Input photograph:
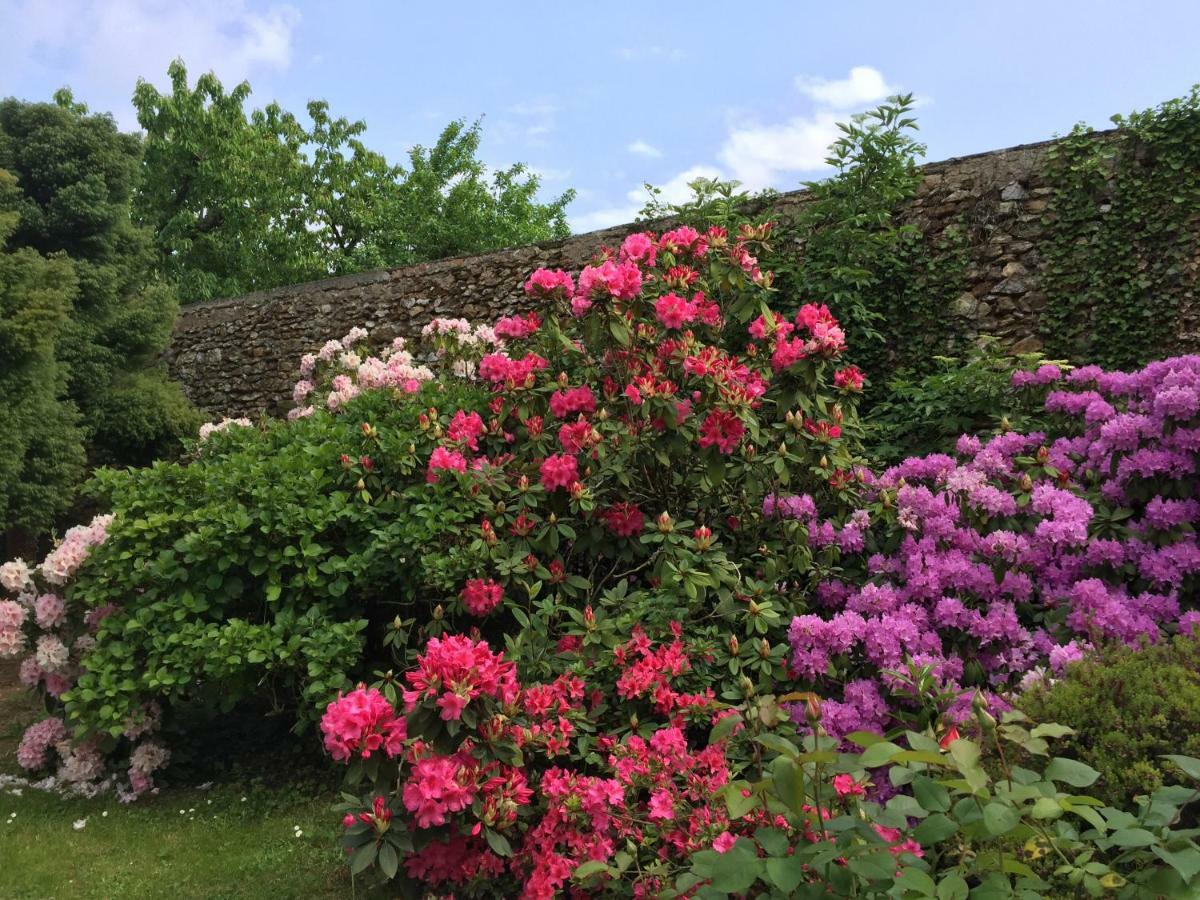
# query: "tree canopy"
{"type": "Point", "coordinates": [240, 201]}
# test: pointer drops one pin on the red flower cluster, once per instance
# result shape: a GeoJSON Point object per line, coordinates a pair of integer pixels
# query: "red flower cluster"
{"type": "Point", "coordinates": [480, 597]}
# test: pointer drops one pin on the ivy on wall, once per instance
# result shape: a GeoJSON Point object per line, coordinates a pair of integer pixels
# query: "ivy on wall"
{"type": "Point", "coordinates": [1121, 258]}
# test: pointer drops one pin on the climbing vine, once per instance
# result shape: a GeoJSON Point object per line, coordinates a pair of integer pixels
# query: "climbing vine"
{"type": "Point", "coordinates": [1121, 258]}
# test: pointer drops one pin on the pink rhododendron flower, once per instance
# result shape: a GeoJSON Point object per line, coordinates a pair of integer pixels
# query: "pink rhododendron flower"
{"type": "Point", "coordinates": [574, 401]}
{"type": "Point", "coordinates": [444, 460]}
{"type": "Point", "coordinates": [50, 610]}
{"type": "Point", "coordinates": [548, 283]}
{"type": "Point", "coordinates": [724, 842]}
{"type": "Point", "coordinates": [437, 786]}
{"type": "Point", "coordinates": [673, 311]}
{"type": "Point", "coordinates": [454, 670]}
{"type": "Point", "coordinates": [480, 597]}
{"type": "Point", "coordinates": [558, 471]}
{"type": "Point", "coordinates": [722, 430]}
{"type": "Point", "coordinates": [639, 248]}
{"type": "Point", "coordinates": [620, 281]}
{"type": "Point", "coordinates": [466, 428]}
{"type": "Point", "coordinates": [360, 723]}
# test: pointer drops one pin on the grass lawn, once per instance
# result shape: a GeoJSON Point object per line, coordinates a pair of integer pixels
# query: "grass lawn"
{"type": "Point", "coordinates": [232, 841]}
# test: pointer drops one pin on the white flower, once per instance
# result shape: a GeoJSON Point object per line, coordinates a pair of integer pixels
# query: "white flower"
{"type": "Point", "coordinates": [79, 824]}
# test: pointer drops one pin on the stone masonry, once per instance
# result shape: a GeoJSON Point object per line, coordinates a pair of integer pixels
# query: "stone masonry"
{"type": "Point", "coordinates": [239, 356]}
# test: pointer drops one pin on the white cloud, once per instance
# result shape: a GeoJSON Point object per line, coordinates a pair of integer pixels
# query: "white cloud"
{"type": "Point", "coordinates": [675, 190]}
{"type": "Point", "coordinates": [641, 148]}
{"type": "Point", "coordinates": [762, 155]}
{"type": "Point", "coordinates": [758, 154]}
{"type": "Point", "coordinates": [102, 48]}
{"type": "Point", "coordinates": [863, 85]}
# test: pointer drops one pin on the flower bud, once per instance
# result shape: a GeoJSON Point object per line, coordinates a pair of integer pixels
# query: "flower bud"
{"type": "Point", "coordinates": [702, 537]}
{"type": "Point", "coordinates": [602, 415]}
{"type": "Point", "coordinates": [345, 460]}
{"type": "Point", "coordinates": [783, 448]}
{"type": "Point", "coordinates": [664, 522]}
{"type": "Point", "coordinates": [360, 485]}
{"type": "Point", "coordinates": [398, 624]}
{"type": "Point", "coordinates": [563, 381]}
{"type": "Point", "coordinates": [437, 431]}
{"type": "Point", "coordinates": [746, 685]}
{"type": "Point", "coordinates": [1043, 454]}
{"type": "Point", "coordinates": [438, 613]}
{"type": "Point", "coordinates": [412, 448]}
{"type": "Point", "coordinates": [764, 649]}
{"type": "Point", "coordinates": [523, 484]}
{"type": "Point", "coordinates": [589, 617]}
{"type": "Point", "coordinates": [575, 489]}
{"type": "Point", "coordinates": [553, 520]}
{"type": "Point", "coordinates": [1026, 483]}
{"type": "Point", "coordinates": [751, 452]}
{"type": "Point", "coordinates": [1005, 425]}
{"type": "Point", "coordinates": [734, 646]}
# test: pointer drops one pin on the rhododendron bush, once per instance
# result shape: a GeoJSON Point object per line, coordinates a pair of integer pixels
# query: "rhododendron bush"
{"type": "Point", "coordinates": [999, 566]}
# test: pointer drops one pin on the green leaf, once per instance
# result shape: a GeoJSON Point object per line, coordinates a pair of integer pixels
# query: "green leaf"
{"type": "Point", "coordinates": [999, 818]}
{"type": "Point", "coordinates": [786, 873]}
{"type": "Point", "coordinates": [1189, 765]}
{"type": "Point", "coordinates": [931, 795]}
{"type": "Point", "coordinates": [389, 860]}
{"type": "Point", "coordinates": [780, 745]}
{"type": "Point", "coordinates": [1046, 808]}
{"type": "Point", "coordinates": [1186, 861]}
{"type": "Point", "coordinates": [936, 828]}
{"type": "Point", "coordinates": [878, 754]}
{"type": "Point", "coordinates": [591, 867]}
{"type": "Point", "coordinates": [1071, 771]}
{"type": "Point", "coordinates": [952, 887]}
{"type": "Point", "coordinates": [498, 842]}
{"type": "Point", "coordinates": [913, 879]}
{"type": "Point", "coordinates": [362, 858]}
{"type": "Point", "coordinates": [724, 728]}
{"type": "Point", "coordinates": [1132, 837]}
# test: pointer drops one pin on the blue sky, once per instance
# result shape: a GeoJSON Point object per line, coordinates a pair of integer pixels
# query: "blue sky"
{"type": "Point", "coordinates": [603, 97]}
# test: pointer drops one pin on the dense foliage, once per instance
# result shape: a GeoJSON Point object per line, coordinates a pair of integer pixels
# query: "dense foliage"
{"type": "Point", "coordinates": [240, 202]}
{"type": "Point", "coordinates": [1121, 261]}
{"type": "Point", "coordinates": [83, 315]}
{"type": "Point", "coordinates": [1129, 706]}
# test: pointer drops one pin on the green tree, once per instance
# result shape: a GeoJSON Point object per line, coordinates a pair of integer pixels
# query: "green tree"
{"type": "Point", "coordinates": [41, 442]}
{"type": "Point", "coordinates": [243, 201]}
{"type": "Point", "coordinates": [78, 267]}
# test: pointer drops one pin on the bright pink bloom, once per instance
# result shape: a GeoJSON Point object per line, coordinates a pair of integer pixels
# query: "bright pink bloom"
{"type": "Point", "coordinates": [558, 471]}
{"type": "Point", "coordinates": [724, 842]}
{"type": "Point", "coordinates": [443, 459]}
{"type": "Point", "coordinates": [639, 248]}
{"type": "Point", "coordinates": [360, 723]}
{"type": "Point", "coordinates": [621, 281]}
{"type": "Point", "coordinates": [575, 436]}
{"type": "Point", "coordinates": [572, 402]}
{"type": "Point", "coordinates": [846, 786]}
{"type": "Point", "coordinates": [673, 311]}
{"type": "Point", "coordinates": [723, 430]}
{"type": "Point", "coordinates": [454, 670]}
{"type": "Point", "coordinates": [437, 786]}
{"type": "Point", "coordinates": [481, 597]}
{"type": "Point", "coordinates": [466, 428]}
{"type": "Point", "coordinates": [624, 519]}
{"type": "Point", "coordinates": [850, 378]}
{"type": "Point", "coordinates": [517, 327]}
{"type": "Point", "coordinates": [548, 283]}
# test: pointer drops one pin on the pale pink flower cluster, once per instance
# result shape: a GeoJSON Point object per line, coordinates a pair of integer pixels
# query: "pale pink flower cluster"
{"type": "Point", "coordinates": [209, 428]}
{"type": "Point", "coordinates": [12, 643]}
{"type": "Point", "coordinates": [147, 758]}
{"type": "Point", "coordinates": [52, 654]}
{"type": "Point", "coordinates": [80, 764]}
{"type": "Point", "coordinates": [63, 561]}
{"type": "Point", "coordinates": [146, 723]}
{"type": "Point", "coordinates": [39, 738]}
{"type": "Point", "coordinates": [15, 576]}
{"type": "Point", "coordinates": [50, 610]}
{"type": "Point", "coordinates": [351, 369]}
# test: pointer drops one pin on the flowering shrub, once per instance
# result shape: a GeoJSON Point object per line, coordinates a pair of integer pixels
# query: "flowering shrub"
{"type": "Point", "coordinates": [52, 637]}
{"type": "Point", "coordinates": [998, 567]}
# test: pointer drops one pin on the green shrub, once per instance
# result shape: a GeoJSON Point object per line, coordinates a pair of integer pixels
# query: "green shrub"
{"type": "Point", "coordinates": [917, 414]}
{"type": "Point", "coordinates": [1128, 707]}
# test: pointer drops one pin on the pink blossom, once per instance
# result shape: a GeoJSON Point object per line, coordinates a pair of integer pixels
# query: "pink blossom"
{"type": "Point", "coordinates": [558, 471]}
{"type": "Point", "coordinates": [480, 597]}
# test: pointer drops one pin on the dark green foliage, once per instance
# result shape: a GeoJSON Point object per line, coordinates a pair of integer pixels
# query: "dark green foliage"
{"type": "Point", "coordinates": [1128, 707]}
{"type": "Point", "coordinates": [41, 442]}
{"type": "Point", "coordinates": [1122, 256]}
{"type": "Point", "coordinates": [79, 278]}
{"type": "Point", "coordinates": [889, 286]}
{"type": "Point", "coordinates": [973, 394]}
{"type": "Point", "coordinates": [240, 202]}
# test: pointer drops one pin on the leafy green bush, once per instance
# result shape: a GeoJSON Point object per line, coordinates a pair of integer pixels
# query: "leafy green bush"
{"type": "Point", "coordinates": [1128, 707]}
{"type": "Point", "coordinates": [918, 414]}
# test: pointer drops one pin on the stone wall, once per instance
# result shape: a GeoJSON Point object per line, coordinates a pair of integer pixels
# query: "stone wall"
{"type": "Point", "coordinates": [239, 356]}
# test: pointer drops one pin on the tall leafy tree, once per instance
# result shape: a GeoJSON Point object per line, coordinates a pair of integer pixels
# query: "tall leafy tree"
{"type": "Point", "coordinates": [41, 441]}
{"type": "Point", "coordinates": [76, 264]}
{"type": "Point", "coordinates": [240, 201]}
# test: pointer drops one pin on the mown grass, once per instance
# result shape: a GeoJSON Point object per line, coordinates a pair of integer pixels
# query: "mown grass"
{"type": "Point", "coordinates": [236, 840]}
